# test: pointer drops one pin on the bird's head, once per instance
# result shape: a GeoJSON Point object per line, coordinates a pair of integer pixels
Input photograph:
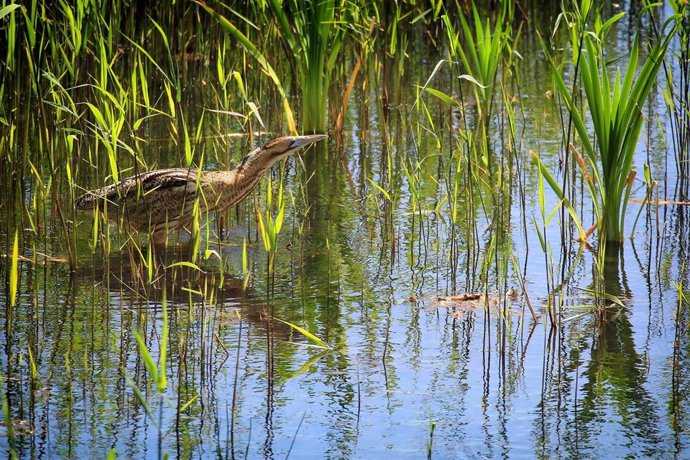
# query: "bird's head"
{"type": "Point", "coordinates": [287, 145]}
{"type": "Point", "coordinates": [279, 148]}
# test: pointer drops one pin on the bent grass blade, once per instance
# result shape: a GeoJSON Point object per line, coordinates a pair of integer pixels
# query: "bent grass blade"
{"type": "Point", "coordinates": [260, 58]}
{"type": "Point", "coordinates": [316, 341]}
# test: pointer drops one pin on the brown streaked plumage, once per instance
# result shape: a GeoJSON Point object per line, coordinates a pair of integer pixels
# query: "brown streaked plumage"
{"type": "Point", "coordinates": [165, 198]}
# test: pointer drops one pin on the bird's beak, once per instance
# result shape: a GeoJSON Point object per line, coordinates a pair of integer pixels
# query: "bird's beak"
{"type": "Point", "coordinates": [301, 141]}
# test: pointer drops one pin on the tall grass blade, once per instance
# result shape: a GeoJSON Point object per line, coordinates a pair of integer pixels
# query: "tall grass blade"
{"type": "Point", "coordinates": [260, 58]}
{"type": "Point", "coordinates": [14, 270]}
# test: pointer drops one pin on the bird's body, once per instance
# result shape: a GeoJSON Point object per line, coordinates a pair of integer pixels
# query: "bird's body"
{"type": "Point", "coordinates": [164, 199]}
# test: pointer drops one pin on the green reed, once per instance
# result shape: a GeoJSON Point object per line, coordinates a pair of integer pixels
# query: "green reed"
{"type": "Point", "coordinates": [480, 47]}
{"type": "Point", "coordinates": [14, 270]}
{"type": "Point", "coordinates": [552, 304]}
{"type": "Point", "coordinates": [9, 10]}
{"type": "Point", "coordinates": [680, 337]}
{"type": "Point", "coordinates": [675, 95]}
{"type": "Point", "coordinates": [315, 340]}
{"type": "Point", "coordinates": [412, 174]}
{"type": "Point", "coordinates": [270, 226]}
{"type": "Point", "coordinates": [245, 265]}
{"type": "Point", "coordinates": [564, 201]}
{"type": "Point", "coordinates": [314, 38]}
{"type": "Point", "coordinates": [651, 185]}
{"type": "Point", "coordinates": [254, 51]}
{"type": "Point", "coordinates": [476, 177]}
{"type": "Point", "coordinates": [157, 372]}
{"type": "Point", "coordinates": [430, 441]}
{"type": "Point", "coordinates": [616, 115]}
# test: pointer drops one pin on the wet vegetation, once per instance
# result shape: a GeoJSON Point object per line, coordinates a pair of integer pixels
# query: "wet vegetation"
{"type": "Point", "coordinates": [488, 257]}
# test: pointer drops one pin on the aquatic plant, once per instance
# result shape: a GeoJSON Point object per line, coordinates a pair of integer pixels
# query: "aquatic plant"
{"type": "Point", "coordinates": [676, 96]}
{"type": "Point", "coordinates": [14, 270]}
{"type": "Point", "coordinates": [270, 226]}
{"type": "Point", "coordinates": [480, 47]}
{"type": "Point", "coordinates": [314, 38]}
{"type": "Point", "coordinates": [254, 51]}
{"type": "Point", "coordinates": [616, 116]}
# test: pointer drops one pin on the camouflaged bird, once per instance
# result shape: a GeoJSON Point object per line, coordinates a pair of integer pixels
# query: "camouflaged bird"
{"type": "Point", "coordinates": [164, 199]}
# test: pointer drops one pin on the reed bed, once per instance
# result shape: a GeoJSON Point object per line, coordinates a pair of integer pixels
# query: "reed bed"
{"type": "Point", "coordinates": [462, 168]}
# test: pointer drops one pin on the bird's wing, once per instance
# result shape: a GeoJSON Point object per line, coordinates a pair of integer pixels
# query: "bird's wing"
{"type": "Point", "coordinates": [173, 180]}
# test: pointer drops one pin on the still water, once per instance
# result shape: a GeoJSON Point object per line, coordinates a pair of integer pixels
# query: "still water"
{"type": "Point", "coordinates": [411, 370]}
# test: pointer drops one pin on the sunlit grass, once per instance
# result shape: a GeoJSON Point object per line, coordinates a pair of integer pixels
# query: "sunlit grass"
{"type": "Point", "coordinates": [14, 270]}
{"type": "Point", "coordinates": [252, 49]}
{"type": "Point", "coordinates": [271, 226]}
{"type": "Point", "coordinates": [314, 38]}
{"type": "Point", "coordinates": [616, 114]}
{"type": "Point", "coordinates": [480, 46]}
{"type": "Point", "coordinates": [427, 205]}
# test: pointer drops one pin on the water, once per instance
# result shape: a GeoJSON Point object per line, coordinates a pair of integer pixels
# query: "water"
{"type": "Point", "coordinates": [408, 374]}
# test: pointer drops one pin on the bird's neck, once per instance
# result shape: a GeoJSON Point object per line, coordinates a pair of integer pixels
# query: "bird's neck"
{"type": "Point", "coordinates": [224, 189]}
{"type": "Point", "coordinates": [256, 164]}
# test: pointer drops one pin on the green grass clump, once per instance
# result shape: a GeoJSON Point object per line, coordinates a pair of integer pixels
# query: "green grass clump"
{"type": "Point", "coordinates": [480, 47]}
{"type": "Point", "coordinates": [314, 39]}
{"type": "Point", "coordinates": [616, 115]}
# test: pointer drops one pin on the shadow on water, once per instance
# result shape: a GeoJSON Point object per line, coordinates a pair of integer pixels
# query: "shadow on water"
{"type": "Point", "coordinates": [184, 287]}
{"type": "Point", "coordinates": [615, 378]}
{"type": "Point", "coordinates": [215, 347]}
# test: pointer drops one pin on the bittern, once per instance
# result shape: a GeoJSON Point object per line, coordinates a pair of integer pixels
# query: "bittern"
{"type": "Point", "coordinates": [164, 199]}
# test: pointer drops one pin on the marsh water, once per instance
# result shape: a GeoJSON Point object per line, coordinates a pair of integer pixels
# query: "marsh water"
{"type": "Point", "coordinates": [374, 257]}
